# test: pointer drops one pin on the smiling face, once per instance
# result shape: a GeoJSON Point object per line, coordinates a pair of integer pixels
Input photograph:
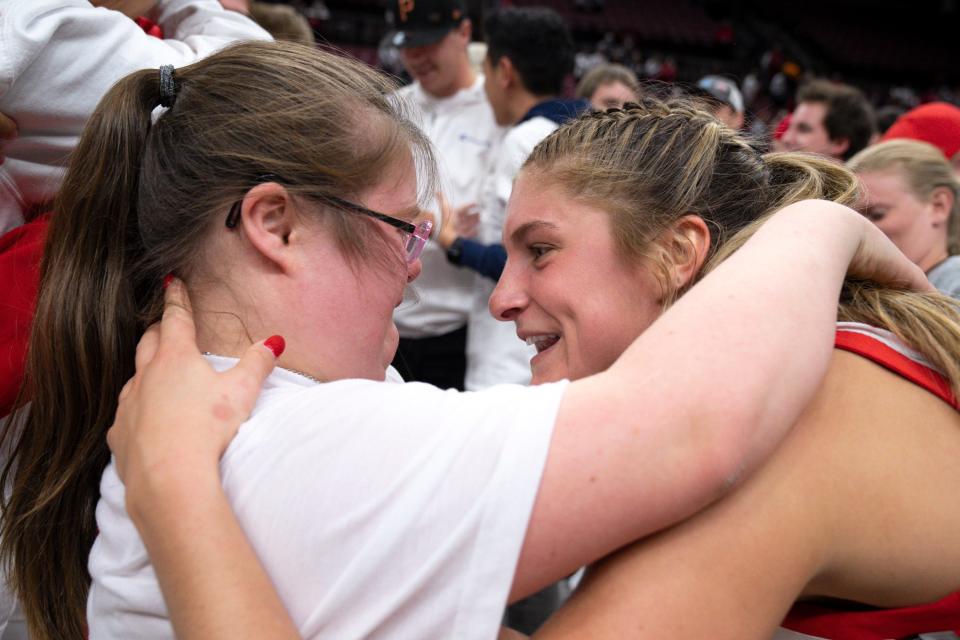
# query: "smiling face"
{"type": "Point", "coordinates": [566, 286]}
{"type": "Point", "coordinates": [808, 132]}
{"type": "Point", "coordinates": [442, 68]}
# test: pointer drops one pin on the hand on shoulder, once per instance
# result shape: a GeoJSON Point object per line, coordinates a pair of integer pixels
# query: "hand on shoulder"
{"type": "Point", "coordinates": [177, 414]}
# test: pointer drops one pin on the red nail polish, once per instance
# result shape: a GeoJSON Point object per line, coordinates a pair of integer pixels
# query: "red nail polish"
{"type": "Point", "coordinates": [276, 344]}
{"type": "Point", "coordinates": [167, 279]}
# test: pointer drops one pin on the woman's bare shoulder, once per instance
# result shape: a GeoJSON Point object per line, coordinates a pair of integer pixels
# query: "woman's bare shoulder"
{"type": "Point", "coordinates": [884, 452]}
{"type": "Point", "coordinates": [859, 502]}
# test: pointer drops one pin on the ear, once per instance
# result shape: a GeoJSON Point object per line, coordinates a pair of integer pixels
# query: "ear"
{"type": "Point", "coordinates": [268, 218]}
{"type": "Point", "coordinates": [506, 73]}
{"type": "Point", "coordinates": [839, 147]}
{"type": "Point", "coordinates": [941, 204]}
{"type": "Point", "coordinates": [686, 244]}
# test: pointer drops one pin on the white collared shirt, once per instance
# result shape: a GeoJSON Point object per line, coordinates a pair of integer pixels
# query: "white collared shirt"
{"type": "Point", "coordinates": [464, 134]}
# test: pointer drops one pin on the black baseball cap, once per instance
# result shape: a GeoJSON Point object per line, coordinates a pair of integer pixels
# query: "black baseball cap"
{"type": "Point", "coordinates": [423, 22]}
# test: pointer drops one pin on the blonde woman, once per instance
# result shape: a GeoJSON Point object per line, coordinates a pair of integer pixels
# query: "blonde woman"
{"type": "Point", "coordinates": [609, 86]}
{"type": "Point", "coordinates": [912, 193]}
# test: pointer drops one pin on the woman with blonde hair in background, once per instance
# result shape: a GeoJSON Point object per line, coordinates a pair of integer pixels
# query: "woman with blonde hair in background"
{"type": "Point", "coordinates": [612, 220]}
{"type": "Point", "coordinates": [609, 86]}
{"type": "Point", "coordinates": [911, 192]}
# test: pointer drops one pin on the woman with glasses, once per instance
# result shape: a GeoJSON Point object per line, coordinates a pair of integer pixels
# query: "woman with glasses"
{"type": "Point", "coordinates": [277, 183]}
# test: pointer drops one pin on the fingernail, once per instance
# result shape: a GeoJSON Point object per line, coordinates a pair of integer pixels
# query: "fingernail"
{"type": "Point", "coordinates": [167, 279]}
{"type": "Point", "coordinates": [276, 344]}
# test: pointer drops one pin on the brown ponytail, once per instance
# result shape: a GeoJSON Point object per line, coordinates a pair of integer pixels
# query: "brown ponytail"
{"type": "Point", "coordinates": [139, 201]}
{"type": "Point", "coordinates": [81, 353]}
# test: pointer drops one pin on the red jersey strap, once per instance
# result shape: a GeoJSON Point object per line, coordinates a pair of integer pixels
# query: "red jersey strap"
{"type": "Point", "coordinates": [843, 620]}
{"type": "Point", "coordinates": [895, 361]}
{"type": "Point", "coordinates": [830, 620]}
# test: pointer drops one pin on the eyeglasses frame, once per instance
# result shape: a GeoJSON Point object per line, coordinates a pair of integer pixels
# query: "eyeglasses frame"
{"type": "Point", "coordinates": [421, 231]}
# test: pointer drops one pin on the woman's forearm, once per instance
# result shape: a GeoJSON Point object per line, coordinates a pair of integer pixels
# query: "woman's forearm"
{"type": "Point", "coordinates": [757, 341]}
{"type": "Point", "coordinates": [771, 311]}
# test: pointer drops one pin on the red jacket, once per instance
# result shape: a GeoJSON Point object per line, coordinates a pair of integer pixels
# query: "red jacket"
{"type": "Point", "coordinates": [20, 252]}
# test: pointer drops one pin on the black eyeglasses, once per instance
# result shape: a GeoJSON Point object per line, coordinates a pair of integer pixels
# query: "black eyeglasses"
{"type": "Point", "coordinates": [414, 236]}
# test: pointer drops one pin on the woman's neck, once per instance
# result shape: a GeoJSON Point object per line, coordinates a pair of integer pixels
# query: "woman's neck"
{"type": "Point", "coordinates": [225, 331]}
{"type": "Point", "coordinates": [933, 258]}
{"type": "Point", "coordinates": [225, 322]}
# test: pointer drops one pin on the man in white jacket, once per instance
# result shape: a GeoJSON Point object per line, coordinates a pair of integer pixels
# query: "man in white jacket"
{"type": "Point", "coordinates": [59, 57]}
{"type": "Point", "coordinates": [454, 113]}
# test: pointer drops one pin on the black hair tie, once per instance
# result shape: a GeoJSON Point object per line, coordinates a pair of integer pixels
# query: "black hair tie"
{"type": "Point", "coordinates": [168, 87]}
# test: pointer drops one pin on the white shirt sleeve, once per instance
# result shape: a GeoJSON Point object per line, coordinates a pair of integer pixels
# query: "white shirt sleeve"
{"type": "Point", "coordinates": [200, 27]}
{"type": "Point", "coordinates": [57, 60]}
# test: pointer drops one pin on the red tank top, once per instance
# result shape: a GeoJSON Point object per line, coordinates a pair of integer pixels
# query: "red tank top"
{"type": "Point", "coordinates": [843, 620]}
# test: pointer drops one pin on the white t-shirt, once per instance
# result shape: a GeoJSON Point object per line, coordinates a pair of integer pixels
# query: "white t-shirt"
{"type": "Point", "coordinates": [59, 57]}
{"type": "Point", "coordinates": [463, 132]}
{"type": "Point", "coordinates": [946, 276]}
{"type": "Point", "coordinates": [379, 510]}
{"type": "Point", "coordinates": [495, 354]}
